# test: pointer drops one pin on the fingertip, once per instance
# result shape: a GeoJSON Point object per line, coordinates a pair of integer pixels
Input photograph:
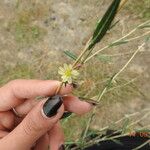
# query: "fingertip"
{"type": "Point", "coordinates": [75, 105]}
{"type": "Point", "coordinates": [87, 106]}
{"type": "Point", "coordinates": [84, 108]}
{"type": "Point", "coordinates": [7, 119]}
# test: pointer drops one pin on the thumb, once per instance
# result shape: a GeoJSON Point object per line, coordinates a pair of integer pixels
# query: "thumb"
{"type": "Point", "coordinates": [39, 120]}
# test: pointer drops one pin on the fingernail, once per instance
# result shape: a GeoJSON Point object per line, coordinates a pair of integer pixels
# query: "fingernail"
{"type": "Point", "coordinates": [90, 101]}
{"type": "Point", "coordinates": [66, 115]}
{"type": "Point", "coordinates": [51, 106]}
{"type": "Point", "coordinates": [62, 147]}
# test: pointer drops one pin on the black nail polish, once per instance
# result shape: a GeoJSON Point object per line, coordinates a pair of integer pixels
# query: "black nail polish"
{"type": "Point", "coordinates": [90, 101]}
{"type": "Point", "coordinates": [62, 147]}
{"type": "Point", "coordinates": [66, 115]}
{"type": "Point", "coordinates": [52, 105]}
{"type": "Point", "coordinates": [93, 103]}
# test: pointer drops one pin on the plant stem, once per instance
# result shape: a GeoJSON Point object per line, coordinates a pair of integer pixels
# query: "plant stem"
{"type": "Point", "coordinates": [88, 54]}
{"type": "Point", "coordinates": [117, 74]}
{"type": "Point", "coordinates": [82, 53]}
{"type": "Point", "coordinates": [122, 4]}
{"type": "Point", "coordinates": [120, 39]}
{"type": "Point", "coordinates": [87, 127]}
{"type": "Point", "coordinates": [139, 147]}
{"type": "Point", "coordinates": [137, 37]}
{"type": "Point", "coordinates": [120, 120]}
{"type": "Point", "coordinates": [106, 87]}
{"type": "Point", "coordinates": [59, 88]}
{"type": "Point", "coordinates": [87, 44]}
{"type": "Point", "coordinates": [119, 54]}
{"type": "Point", "coordinates": [122, 85]}
{"type": "Point", "coordinates": [98, 138]}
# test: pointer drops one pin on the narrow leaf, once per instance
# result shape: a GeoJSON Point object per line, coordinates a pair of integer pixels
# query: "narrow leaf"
{"type": "Point", "coordinates": [118, 43]}
{"type": "Point", "coordinates": [104, 58]}
{"type": "Point", "coordinates": [143, 130]}
{"type": "Point", "coordinates": [109, 83]}
{"type": "Point", "coordinates": [147, 39]}
{"type": "Point", "coordinates": [125, 125]}
{"type": "Point", "coordinates": [70, 55]}
{"type": "Point", "coordinates": [104, 23]}
{"type": "Point", "coordinates": [144, 26]}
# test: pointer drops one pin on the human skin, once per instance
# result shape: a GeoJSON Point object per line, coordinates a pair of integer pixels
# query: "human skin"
{"type": "Point", "coordinates": [34, 130]}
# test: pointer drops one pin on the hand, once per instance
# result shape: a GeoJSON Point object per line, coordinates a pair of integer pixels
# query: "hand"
{"type": "Point", "coordinates": [34, 130]}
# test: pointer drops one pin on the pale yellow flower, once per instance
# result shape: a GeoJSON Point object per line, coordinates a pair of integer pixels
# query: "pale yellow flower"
{"type": "Point", "coordinates": [68, 74]}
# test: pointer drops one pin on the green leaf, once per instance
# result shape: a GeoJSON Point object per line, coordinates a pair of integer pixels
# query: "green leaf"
{"type": "Point", "coordinates": [144, 26]}
{"type": "Point", "coordinates": [125, 125]}
{"type": "Point", "coordinates": [110, 81]}
{"type": "Point", "coordinates": [143, 130]}
{"type": "Point", "coordinates": [71, 55]}
{"type": "Point", "coordinates": [104, 58]}
{"type": "Point", "coordinates": [147, 39]}
{"type": "Point", "coordinates": [105, 23]}
{"type": "Point", "coordinates": [118, 43]}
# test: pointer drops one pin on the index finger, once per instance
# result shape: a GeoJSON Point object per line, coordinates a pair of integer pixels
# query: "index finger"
{"type": "Point", "coordinates": [16, 91]}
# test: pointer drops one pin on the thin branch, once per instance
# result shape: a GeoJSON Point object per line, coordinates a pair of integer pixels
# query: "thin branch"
{"type": "Point", "coordinates": [137, 37]}
{"type": "Point", "coordinates": [119, 54]}
{"type": "Point", "coordinates": [117, 74]}
{"type": "Point", "coordinates": [139, 147]}
{"type": "Point", "coordinates": [82, 53]}
{"type": "Point", "coordinates": [120, 39]}
{"type": "Point", "coordinates": [120, 86]}
{"type": "Point", "coordinates": [127, 115]}
{"type": "Point", "coordinates": [106, 138]}
{"type": "Point", "coordinates": [99, 139]}
{"type": "Point", "coordinates": [106, 87]}
{"type": "Point", "coordinates": [123, 2]}
{"type": "Point", "coordinates": [87, 44]}
{"type": "Point", "coordinates": [139, 120]}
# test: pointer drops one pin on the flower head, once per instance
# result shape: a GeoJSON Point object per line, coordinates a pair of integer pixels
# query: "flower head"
{"type": "Point", "coordinates": [68, 74]}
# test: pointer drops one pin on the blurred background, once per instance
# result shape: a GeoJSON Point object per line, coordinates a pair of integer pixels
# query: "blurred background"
{"type": "Point", "coordinates": [34, 34]}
